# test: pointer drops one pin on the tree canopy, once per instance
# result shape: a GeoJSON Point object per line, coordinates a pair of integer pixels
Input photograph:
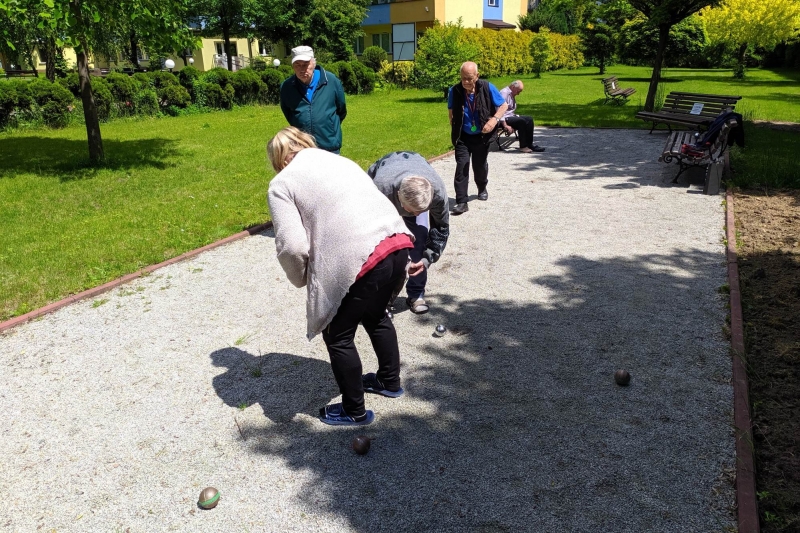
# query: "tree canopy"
{"type": "Point", "coordinates": [740, 23]}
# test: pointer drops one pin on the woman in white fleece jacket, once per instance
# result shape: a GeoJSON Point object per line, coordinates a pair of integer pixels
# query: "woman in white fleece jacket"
{"type": "Point", "coordinates": [336, 234]}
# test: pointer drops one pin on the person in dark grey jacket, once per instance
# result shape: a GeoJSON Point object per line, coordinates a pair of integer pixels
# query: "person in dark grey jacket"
{"type": "Point", "coordinates": [313, 100]}
{"type": "Point", "coordinates": [420, 197]}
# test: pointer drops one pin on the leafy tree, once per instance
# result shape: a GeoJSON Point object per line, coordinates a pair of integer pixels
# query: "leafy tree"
{"type": "Point", "coordinates": [561, 16]}
{"type": "Point", "coordinates": [85, 26]}
{"type": "Point", "coordinates": [637, 42]}
{"type": "Point", "coordinates": [228, 18]}
{"type": "Point", "coordinates": [440, 53]}
{"type": "Point", "coordinates": [373, 56]}
{"type": "Point", "coordinates": [741, 23]}
{"type": "Point", "coordinates": [541, 51]}
{"type": "Point", "coordinates": [664, 14]}
{"type": "Point", "coordinates": [330, 25]}
{"type": "Point", "coordinates": [598, 45]}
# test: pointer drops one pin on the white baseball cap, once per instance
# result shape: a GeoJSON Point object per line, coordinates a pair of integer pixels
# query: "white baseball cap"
{"type": "Point", "coordinates": [302, 53]}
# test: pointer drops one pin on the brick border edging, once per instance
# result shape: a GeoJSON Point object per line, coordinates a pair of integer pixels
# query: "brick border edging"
{"type": "Point", "coordinates": [8, 324]}
{"type": "Point", "coordinates": [747, 506]}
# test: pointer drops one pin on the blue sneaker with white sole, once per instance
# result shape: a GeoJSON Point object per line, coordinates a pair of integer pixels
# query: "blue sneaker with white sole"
{"type": "Point", "coordinates": [335, 415]}
{"type": "Point", "coordinates": [373, 384]}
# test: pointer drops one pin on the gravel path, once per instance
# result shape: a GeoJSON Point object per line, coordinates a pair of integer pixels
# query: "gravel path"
{"type": "Point", "coordinates": [116, 412]}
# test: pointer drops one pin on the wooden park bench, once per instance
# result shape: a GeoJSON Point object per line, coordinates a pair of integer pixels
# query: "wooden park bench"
{"type": "Point", "coordinates": [614, 92]}
{"type": "Point", "coordinates": [680, 147]}
{"type": "Point", "coordinates": [504, 139]}
{"type": "Point", "coordinates": [694, 111]}
{"type": "Point", "coordinates": [21, 73]}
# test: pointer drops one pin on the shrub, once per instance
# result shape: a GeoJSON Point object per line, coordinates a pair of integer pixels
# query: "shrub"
{"type": "Point", "coordinates": [2, 73]}
{"type": "Point", "coordinates": [541, 51]}
{"type": "Point", "coordinates": [53, 101]}
{"type": "Point", "coordinates": [348, 77]}
{"type": "Point", "coordinates": [566, 52]}
{"type": "Point", "coordinates": [500, 52]}
{"type": "Point", "coordinates": [175, 96]}
{"type": "Point", "coordinates": [333, 68]}
{"type": "Point", "coordinates": [598, 45]}
{"type": "Point", "coordinates": [285, 70]}
{"type": "Point", "coordinates": [187, 77]}
{"type": "Point", "coordinates": [8, 102]}
{"type": "Point", "coordinates": [103, 99]}
{"type": "Point", "coordinates": [163, 79]}
{"type": "Point", "coordinates": [400, 74]}
{"type": "Point", "coordinates": [440, 53]}
{"type": "Point", "coordinates": [71, 83]}
{"type": "Point", "coordinates": [247, 86]}
{"type": "Point", "coordinates": [374, 56]}
{"type": "Point", "coordinates": [145, 81]}
{"type": "Point", "coordinates": [214, 96]}
{"type": "Point", "coordinates": [24, 97]}
{"type": "Point", "coordinates": [365, 77]}
{"type": "Point", "coordinates": [145, 102]}
{"type": "Point", "coordinates": [271, 91]}
{"type": "Point", "coordinates": [638, 42]}
{"type": "Point", "coordinates": [218, 76]}
{"type": "Point", "coordinates": [122, 86]}
{"type": "Point", "coordinates": [259, 64]}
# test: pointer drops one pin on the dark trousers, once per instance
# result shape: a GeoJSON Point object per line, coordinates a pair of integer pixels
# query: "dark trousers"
{"type": "Point", "coordinates": [524, 126]}
{"type": "Point", "coordinates": [365, 304]}
{"type": "Point", "coordinates": [415, 287]}
{"type": "Point", "coordinates": [466, 147]}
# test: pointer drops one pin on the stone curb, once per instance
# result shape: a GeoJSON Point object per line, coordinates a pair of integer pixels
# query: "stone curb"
{"type": "Point", "coordinates": [747, 506]}
{"type": "Point", "coordinates": [89, 293]}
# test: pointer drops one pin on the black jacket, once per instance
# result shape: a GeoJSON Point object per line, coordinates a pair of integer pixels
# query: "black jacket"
{"type": "Point", "coordinates": [484, 105]}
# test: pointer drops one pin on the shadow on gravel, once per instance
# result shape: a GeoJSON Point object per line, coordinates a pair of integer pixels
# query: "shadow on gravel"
{"type": "Point", "coordinates": [520, 426]}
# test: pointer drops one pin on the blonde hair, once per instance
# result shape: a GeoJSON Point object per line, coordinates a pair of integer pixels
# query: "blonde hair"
{"type": "Point", "coordinates": [415, 194]}
{"type": "Point", "coordinates": [286, 142]}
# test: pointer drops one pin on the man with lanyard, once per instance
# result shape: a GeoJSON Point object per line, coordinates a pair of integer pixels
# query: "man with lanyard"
{"type": "Point", "coordinates": [313, 100]}
{"type": "Point", "coordinates": [475, 108]}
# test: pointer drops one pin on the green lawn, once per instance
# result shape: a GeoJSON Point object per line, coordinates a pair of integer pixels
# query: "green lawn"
{"type": "Point", "coordinates": [174, 184]}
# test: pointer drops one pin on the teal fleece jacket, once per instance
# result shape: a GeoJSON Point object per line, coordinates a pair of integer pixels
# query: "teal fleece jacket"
{"type": "Point", "coordinates": [321, 117]}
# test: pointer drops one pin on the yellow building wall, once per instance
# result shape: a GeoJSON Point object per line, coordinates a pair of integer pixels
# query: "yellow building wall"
{"type": "Point", "coordinates": [414, 11]}
{"type": "Point", "coordinates": [512, 9]}
{"type": "Point", "coordinates": [470, 11]}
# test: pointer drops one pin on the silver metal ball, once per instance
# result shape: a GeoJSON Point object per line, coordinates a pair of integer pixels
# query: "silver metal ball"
{"type": "Point", "coordinates": [440, 330]}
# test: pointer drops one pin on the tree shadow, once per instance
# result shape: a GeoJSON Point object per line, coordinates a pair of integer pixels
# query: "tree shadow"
{"type": "Point", "coordinates": [424, 100]}
{"type": "Point", "coordinates": [68, 160]}
{"type": "Point", "coordinates": [512, 420]}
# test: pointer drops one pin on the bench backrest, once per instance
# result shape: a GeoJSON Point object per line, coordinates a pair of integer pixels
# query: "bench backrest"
{"type": "Point", "coordinates": [609, 84]}
{"type": "Point", "coordinates": [712, 105]}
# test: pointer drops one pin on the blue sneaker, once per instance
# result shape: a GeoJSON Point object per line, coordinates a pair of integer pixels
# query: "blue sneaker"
{"type": "Point", "coordinates": [335, 415]}
{"type": "Point", "coordinates": [373, 384]}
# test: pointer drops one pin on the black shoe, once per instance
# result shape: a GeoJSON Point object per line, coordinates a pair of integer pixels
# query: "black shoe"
{"type": "Point", "coordinates": [483, 195]}
{"type": "Point", "coordinates": [460, 209]}
{"type": "Point", "coordinates": [537, 148]}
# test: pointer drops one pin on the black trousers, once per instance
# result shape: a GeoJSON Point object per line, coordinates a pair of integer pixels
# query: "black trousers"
{"type": "Point", "coordinates": [365, 304]}
{"type": "Point", "coordinates": [470, 146]}
{"type": "Point", "coordinates": [415, 286]}
{"type": "Point", "coordinates": [524, 126]}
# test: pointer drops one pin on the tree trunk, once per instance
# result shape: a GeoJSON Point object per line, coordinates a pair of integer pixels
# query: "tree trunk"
{"type": "Point", "coordinates": [602, 65]}
{"type": "Point", "coordinates": [134, 57]}
{"type": "Point", "coordinates": [740, 55]}
{"type": "Point", "coordinates": [226, 37]}
{"type": "Point", "coordinates": [96, 154]}
{"type": "Point", "coordinates": [50, 67]}
{"type": "Point", "coordinates": [663, 37]}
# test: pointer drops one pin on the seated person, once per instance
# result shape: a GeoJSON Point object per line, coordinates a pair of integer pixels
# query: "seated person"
{"type": "Point", "coordinates": [523, 124]}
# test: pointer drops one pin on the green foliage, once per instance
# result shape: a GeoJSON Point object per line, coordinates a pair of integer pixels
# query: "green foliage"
{"type": "Point", "coordinates": [122, 86]}
{"type": "Point", "coordinates": [333, 68]}
{"type": "Point", "coordinates": [145, 81]}
{"type": "Point", "coordinates": [210, 94]}
{"type": "Point", "coordinates": [500, 52]}
{"type": "Point", "coordinates": [373, 56]}
{"type": "Point", "coordinates": [218, 76]}
{"type": "Point", "coordinates": [103, 98]}
{"type": "Point", "coordinates": [285, 70]}
{"type": "Point", "coordinates": [162, 78]}
{"type": "Point", "coordinates": [259, 64]}
{"type": "Point", "coordinates": [638, 42]}
{"type": "Point", "coordinates": [567, 52]}
{"type": "Point", "coordinates": [541, 51]}
{"type": "Point", "coordinates": [440, 53]}
{"type": "Point", "coordinates": [247, 86]}
{"type": "Point", "coordinates": [8, 102]}
{"type": "Point", "coordinates": [365, 77]}
{"type": "Point", "coordinates": [598, 45]}
{"type": "Point", "coordinates": [71, 83]}
{"type": "Point", "coordinates": [399, 74]}
{"type": "Point", "coordinates": [271, 91]}
{"type": "Point", "coordinates": [347, 77]}
{"type": "Point", "coordinates": [187, 77]}
{"type": "Point", "coordinates": [175, 96]}
{"type": "Point", "coordinates": [145, 102]}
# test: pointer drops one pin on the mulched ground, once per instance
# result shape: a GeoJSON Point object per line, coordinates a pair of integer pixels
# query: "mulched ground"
{"type": "Point", "coordinates": [768, 235]}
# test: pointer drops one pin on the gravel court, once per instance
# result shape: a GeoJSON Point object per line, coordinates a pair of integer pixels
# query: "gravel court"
{"type": "Point", "coordinates": [117, 411]}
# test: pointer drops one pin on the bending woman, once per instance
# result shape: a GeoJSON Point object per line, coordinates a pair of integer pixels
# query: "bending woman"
{"type": "Point", "coordinates": [337, 235]}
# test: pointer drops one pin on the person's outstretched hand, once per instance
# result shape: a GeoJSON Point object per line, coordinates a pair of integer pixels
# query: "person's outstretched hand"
{"type": "Point", "coordinates": [416, 268]}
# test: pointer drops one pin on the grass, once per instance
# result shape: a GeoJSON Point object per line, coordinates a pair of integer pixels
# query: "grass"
{"type": "Point", "coordinates": [174, 184]}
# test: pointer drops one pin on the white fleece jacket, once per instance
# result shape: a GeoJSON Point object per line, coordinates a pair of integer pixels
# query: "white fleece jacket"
{"type": "Point", "coordinates": [328, 218]}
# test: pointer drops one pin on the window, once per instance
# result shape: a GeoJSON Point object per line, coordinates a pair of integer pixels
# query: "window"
{"type": "Point", "coordinates": [359, 45]}
{"type": "Point", "coordinates": [383, 40]}
{"type": "Point", "coordinates": [219, 47]}
{"type": "Point", "coordinates": [187, 52]}
{"type": "Point", "coordinates": [266, 48]}
{"type": "Point", "coordinates": [492, 3]}
{"type": "Point", "coordinates": [141, 54]}
{"type": "Point", "coordinates": [403, 42]}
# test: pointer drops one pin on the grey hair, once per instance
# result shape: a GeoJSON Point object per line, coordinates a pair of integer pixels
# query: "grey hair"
{"type": "Point", "coordinates": [515, 84]}
{"type": "Point", "coordinates": [415, 194]}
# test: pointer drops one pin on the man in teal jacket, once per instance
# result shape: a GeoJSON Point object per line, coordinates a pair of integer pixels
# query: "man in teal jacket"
{"type": "Point", "coordinates": [313, 100]}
